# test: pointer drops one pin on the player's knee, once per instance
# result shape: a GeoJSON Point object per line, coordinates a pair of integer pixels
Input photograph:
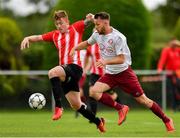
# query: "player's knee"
{"type": "Point", "coordinates": [95, 94]}
{"type": "Point", "coordinates": [75, 106]}
{"type": "Point", "coordinates": [92, 92]}
{"type": "Point", "coordinates": [57, 72]}
{"type": "Point", "coordinates": [52, 73]}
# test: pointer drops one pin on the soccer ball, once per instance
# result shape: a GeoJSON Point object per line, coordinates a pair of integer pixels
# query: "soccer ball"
{"type": "Point", "coordinates": [37, 101]}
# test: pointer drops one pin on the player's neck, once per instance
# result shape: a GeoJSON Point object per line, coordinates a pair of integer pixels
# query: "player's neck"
{"type": "Point", "coordinates": [108, 30]}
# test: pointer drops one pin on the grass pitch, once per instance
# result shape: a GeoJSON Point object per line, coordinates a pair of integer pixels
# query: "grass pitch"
{"type": "Point", "coordinates": [39, 124]}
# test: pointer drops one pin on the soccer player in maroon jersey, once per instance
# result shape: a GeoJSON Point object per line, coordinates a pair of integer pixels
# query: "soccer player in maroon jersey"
{"type": "Point", "coordinates": [116, 58]}
{"type": "Point", "coordinates": [64, 77]}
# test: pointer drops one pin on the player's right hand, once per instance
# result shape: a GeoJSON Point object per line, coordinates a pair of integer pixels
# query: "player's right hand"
{"type": "Point", "coordinates": [90, 17]}
{"type": "Point", "coordinates": [25, 43]}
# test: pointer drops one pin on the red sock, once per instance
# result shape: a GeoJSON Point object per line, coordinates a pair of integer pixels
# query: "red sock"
{"type": "Point", "coordinates": [158, 111]}
{"type": "Point", "coordinates": [107, 100]}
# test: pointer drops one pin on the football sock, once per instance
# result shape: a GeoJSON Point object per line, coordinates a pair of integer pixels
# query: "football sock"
{"type": "Point", "coordinates": [57, 90]}
{"type": "Point", "coordinates": [158, 111]}
{"type": "Point", "coordinates": [93, 105]}
{"type": "Point", "coordinates": [83, 99]}
{"type": "Point", "coordinates": [89, 115]}
{"type": "Point", "coordinates": [107, 100]}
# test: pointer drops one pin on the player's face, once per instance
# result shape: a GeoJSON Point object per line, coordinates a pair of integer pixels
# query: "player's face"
{"type": "Point", "coordinates": [100, 26]}
{"type": "Point", "coordinates": [62, 24]}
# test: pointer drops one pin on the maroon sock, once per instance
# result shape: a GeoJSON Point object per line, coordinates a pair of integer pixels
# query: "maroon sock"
{"type": "Point", "coordinates": [107, 100]}
{"type": "Point", "coordinates": [83, 99]}
{"type": "Point", "coordinates": [158, 111]}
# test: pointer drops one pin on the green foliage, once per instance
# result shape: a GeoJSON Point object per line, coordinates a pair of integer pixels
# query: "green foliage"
{"type": "Point", "coordinates": [170, 13]}
{"type": "Point", "coordinates": [50, 52]}
{"type": "Point", "coordinates": [33, 24]}
{"type": "Point", "coordinates": [177, 30]}
{"type": "Point", "coordinates": [10, 55]}
{"type": "Point", "coordinates": [36, 24]}
{"type": "Point", "coordinates": [10, 36]}
{"type": "Point", "coordinates": [129, 17]}
{"type": "Point", "coordinates": [161, 36]}
{"type": "Point", "coordinates": [34, 56]}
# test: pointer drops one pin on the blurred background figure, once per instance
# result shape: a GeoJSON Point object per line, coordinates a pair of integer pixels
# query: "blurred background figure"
{"type": "Point", "coordinates": [170, 61]}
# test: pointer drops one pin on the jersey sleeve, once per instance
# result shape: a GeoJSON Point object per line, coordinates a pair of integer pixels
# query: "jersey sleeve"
{"type": "Point", "coordinates": [79, 26]}
{"type": "Point", "coordinates": [120, 44]}
{"type": "Point", "coordinates": [48, 36]}
{"type": "Point", "coordinates": [92, 39]}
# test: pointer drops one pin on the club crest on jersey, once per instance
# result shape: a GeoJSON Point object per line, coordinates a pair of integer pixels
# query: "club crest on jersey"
{"type": "Point", "coordinates": [110, 41]}
{"type": "Point", "coordinates": [110, 49]}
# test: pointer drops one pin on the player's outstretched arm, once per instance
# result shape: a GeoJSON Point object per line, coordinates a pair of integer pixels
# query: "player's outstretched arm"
{"type": "Point", "coordinates": [115, 60]}
{"type": "Point", "coordinates": [27, 40]}
{"type": "Point", "coordinates": [80, 46]}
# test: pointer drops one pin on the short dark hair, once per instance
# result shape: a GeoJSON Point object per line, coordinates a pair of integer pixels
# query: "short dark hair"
{"type": "Point", "coordinates": [102, 15]}
{"type": "Point", "coordinates": [60, 14]}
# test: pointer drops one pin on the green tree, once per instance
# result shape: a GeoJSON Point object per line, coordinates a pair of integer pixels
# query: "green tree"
{"type": "Point", "coordinates": [177, 30]}
{"type": "Point", "coordinates": [10, 55]}
{"type": "Point", "coordinates": [170, 13]}
{"type": "Point", "coordinates": [129, 17]}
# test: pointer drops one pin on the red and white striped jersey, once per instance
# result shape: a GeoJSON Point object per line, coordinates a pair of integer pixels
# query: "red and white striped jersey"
{"type": "Point", "coordinates": [94, 52]}
{"type": "Point", "coordinates": [83, 55]}
{"type": "Point", "coordinates": [64, 42]}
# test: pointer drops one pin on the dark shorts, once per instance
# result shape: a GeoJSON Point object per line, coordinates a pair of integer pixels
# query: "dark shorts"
{"type": "Point", "coordinates": [126, 80]}
{"type": "Point", "coordinates": [73, 75]}
{"type": "Point", "coordinates": [92, 80]}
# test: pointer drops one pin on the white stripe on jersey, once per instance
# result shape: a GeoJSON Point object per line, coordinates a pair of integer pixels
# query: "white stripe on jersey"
{"type": "Point", "coordinates": [94, 53]}
{"type": "Point", "coordinates": [94, 58]}
{"type": "Point", "coordinates": [66, 49]}
{"type": "Point", "coordinates": [82, 57]}
{"type": "Point", "coordinates": [59, 47]}
{"type": "Point", "coordinates": [75, 44]}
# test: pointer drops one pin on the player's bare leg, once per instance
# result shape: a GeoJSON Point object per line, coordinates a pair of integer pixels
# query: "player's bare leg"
{"type": "Point", "coordinates": [75, 102]}
{"type": "Point", "coordinates": [97, 92]}
{"type": "Point", "coordinates": [155, 108]}
{"type": "Point", "coordinates": [82, 99]}
{"type": "Point", "coordinates": [56, 76]}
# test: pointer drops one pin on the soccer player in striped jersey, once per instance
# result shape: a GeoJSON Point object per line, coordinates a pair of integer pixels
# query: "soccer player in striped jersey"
{"type": "Point", "coordinates": [64, 77]}
{"type": "Point", "coordinates": [116, 58]}
{"type": "Point", "coordinates": [93, 54]}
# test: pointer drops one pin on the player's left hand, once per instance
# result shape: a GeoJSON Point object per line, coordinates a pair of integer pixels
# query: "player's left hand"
{"type": "Point", "coordinates": [101, 63]}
